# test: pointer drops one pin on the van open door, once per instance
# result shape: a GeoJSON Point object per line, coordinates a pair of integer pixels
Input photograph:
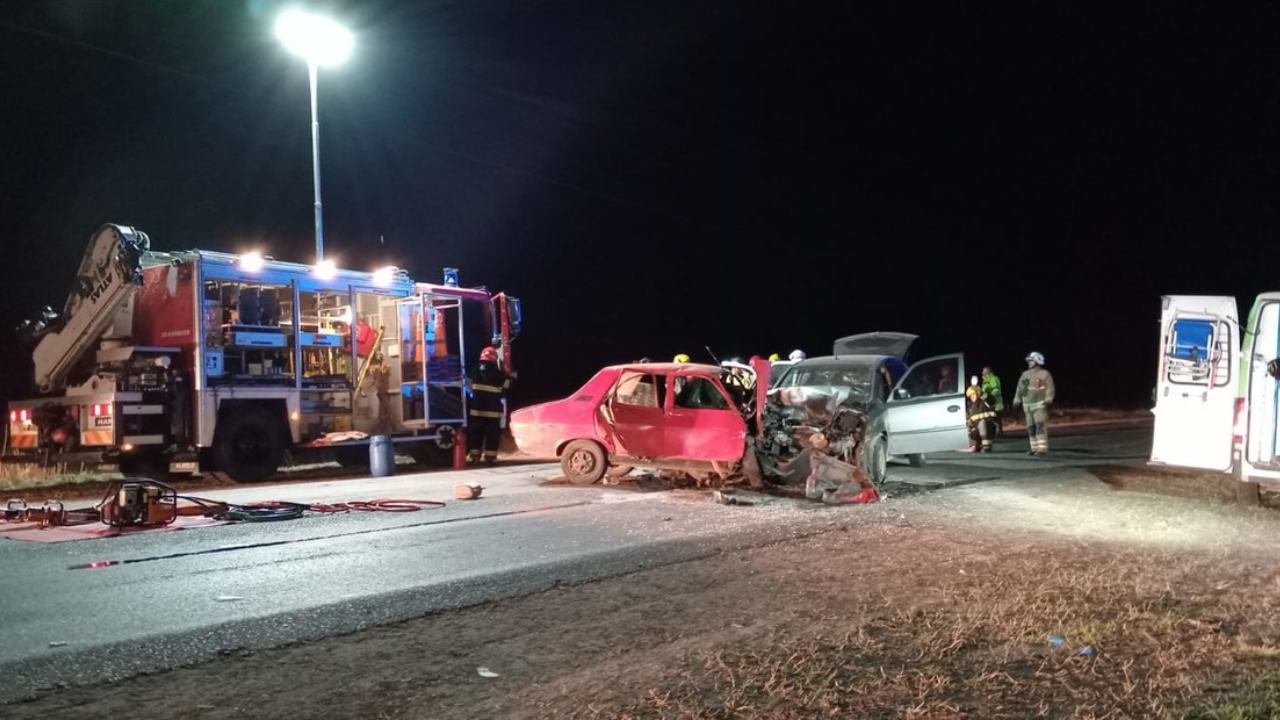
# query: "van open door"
{"type": "Point", "coordinates": [1197, 383]}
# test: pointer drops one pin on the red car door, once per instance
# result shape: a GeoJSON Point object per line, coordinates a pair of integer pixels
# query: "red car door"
{"type": "Point", "coordinates": [635, 406]}
{"type": "Point", "coordinates": [701, 422]}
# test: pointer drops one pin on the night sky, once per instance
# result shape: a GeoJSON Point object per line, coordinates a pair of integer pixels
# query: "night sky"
{"type": "Point", "coordinates": [656, 177]}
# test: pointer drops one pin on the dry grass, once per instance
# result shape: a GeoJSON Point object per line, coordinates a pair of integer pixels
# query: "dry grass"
{"type": "Point", "coordinates": [1187, 649]}
{"type": "Point", "coordinates": [27, 476]}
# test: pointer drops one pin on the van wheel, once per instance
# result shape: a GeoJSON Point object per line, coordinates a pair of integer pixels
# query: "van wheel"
{"type": "Point", "coordinates": [916, 460]}
{"type": "Point", "coordinates": [583, 462]}
{"type": "Point", "coordinates": [249, 447]}
{"type": "Point", "coordinates": [1248, 494]}
{"type": "Point", "coordinates": [875, 460]}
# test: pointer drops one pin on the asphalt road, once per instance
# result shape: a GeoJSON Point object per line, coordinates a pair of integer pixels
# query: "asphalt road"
{"type": "Point", "coordinates": [172, 598]}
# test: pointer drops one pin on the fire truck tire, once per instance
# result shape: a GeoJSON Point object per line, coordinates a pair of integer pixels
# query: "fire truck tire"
{"type": "Point", "coordinates": [428, 452]}
{"type": "Point", "coordinates": [354, 456]}
{"type": "Point", "coordinates": [249, 446]}
{"type": "Point", "coordinates": [583, 462]}
{"type": "Point", "coordinates": [144, 465]}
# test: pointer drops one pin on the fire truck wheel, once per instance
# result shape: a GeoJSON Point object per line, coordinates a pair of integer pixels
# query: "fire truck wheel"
{"type": "Point", "coordinates": [249, 447]}
{"type": "Point", "coordinates": [583, 462]}
{"type": "Point", "coordinates": [355, 456]}
{"type": "Point", "coordinates": [144, 465]}
{"type": "Point", "coordinates": [428, 452]}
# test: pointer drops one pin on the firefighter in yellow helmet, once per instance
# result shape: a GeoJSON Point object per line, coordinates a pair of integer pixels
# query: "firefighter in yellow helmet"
{"type": "Point", "coordinates": [681, 358]}
{"type": "Point", "coordinates": [979, 417]}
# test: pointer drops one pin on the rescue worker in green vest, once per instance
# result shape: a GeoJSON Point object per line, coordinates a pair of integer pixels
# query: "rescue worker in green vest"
{"type": "Point", "coordinates": [1035, 395]}
{"type": "Point", "coordinates": [994, 395]}
{"type": "Point", "coordinates": [979, 417]}
{"type": "Point", "coordinates": [488, 388]}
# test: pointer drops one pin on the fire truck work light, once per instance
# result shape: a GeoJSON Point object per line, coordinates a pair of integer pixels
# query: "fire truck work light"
{"type": "Point", "coordinates": [326, 270]}
{"type": "Point", "coordinates": [13, 416]}
{"type": "Point", "coordinates": [384, 276]}
{"type": "Point", "coordinates": [251, 261]}
{"type": "Point", "coordinates": [24, 415]}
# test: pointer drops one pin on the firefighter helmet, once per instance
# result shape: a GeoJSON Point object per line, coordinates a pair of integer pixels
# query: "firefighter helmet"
{"type": "Point", "coordinates": [797, 355]}
{"type": "Point", "coordinates": [1036, 358]}
{"type": "Point", "coordinates": [775, 358]}
{"type": "Point", "coordinates": [489, 354]}
{"type": "Point", "coordinates": [681, 358]}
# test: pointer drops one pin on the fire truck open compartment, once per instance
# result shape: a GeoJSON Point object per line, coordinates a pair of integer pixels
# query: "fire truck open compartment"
{"type": "Point", "coordinates": [206, 358]}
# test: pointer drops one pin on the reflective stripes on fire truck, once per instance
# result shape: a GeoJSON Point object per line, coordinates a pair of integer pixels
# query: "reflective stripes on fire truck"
{"type": "Point", "coordinates": [97, 437]}
{"type": "Point", "coordinates": [25, 440]}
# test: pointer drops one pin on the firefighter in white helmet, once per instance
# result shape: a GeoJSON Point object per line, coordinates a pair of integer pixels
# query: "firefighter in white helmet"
{"type": "Point", "coordinates": [797, 356]}
{"type": "Point", "coordinates": [1035, 394]}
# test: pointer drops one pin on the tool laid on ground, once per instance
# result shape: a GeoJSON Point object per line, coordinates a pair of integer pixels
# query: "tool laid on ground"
{"type": "Point", "coordinates": [467, 491]}
{"type": "Point", "coordinates": [142, 502]}
{"type": "Point", "coordinates": [139, 502]}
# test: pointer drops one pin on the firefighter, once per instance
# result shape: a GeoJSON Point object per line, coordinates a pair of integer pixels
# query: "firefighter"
{"type": "Point", "coordinates": [993, 393]}
{"type": "Point", "coordinates": [488, 390]}
{"type": "Point", "coordinates": [1035, 395]}
{"type": "Point", "coordinates": [797, 356]}
{"type": "Point", "coordinates": [773, 358]}
{"type": "Point", "coordinates": [680, 358]}
{"type": "Point", "coordinates": [980, 418]}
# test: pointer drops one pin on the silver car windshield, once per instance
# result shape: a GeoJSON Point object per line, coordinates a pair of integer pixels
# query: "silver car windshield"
{"type": "Point", "coordinates": [853, 377]}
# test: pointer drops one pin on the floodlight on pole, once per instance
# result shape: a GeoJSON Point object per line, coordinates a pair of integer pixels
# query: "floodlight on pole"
{"type": "Point", "coordinates": [320, 41]}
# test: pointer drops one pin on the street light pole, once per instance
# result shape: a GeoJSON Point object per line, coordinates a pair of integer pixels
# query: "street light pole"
{"type": "Point", "coordinates": [315, 161]}
{"type": "Point", "coordinates": [320, 41]}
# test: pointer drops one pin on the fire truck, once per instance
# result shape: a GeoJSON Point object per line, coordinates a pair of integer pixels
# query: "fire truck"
{"type": "Point", "coordinates": [198, 361]}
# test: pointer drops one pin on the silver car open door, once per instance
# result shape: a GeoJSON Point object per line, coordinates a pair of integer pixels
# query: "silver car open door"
{"type": "Point", "coordinates": [926, 411]}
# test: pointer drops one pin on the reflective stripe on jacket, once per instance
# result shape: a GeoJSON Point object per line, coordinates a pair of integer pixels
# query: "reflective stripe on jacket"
{"type": "Point", "coordinates": [489, 385]}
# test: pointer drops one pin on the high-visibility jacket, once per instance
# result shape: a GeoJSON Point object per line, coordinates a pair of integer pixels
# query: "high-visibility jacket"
{"type": "Point", "coordinates": [992, 393]}
{"type": "Point", "coordinates": [489, 385]}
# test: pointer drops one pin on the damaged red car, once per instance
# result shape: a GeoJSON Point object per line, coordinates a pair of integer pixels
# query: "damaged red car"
{"type": "Point", "coordinates": [660, 415]}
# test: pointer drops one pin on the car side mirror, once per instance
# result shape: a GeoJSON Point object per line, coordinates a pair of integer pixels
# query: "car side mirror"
{"type": "Point", "coordinates": [901, 394]}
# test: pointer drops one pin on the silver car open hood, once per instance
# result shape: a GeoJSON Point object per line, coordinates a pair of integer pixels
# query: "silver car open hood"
{"type": "Point", "coordinates": [893, 344]}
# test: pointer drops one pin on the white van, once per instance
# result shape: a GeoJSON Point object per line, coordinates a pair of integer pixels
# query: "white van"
{"type": "Point", "coordinates": [1217, 398]}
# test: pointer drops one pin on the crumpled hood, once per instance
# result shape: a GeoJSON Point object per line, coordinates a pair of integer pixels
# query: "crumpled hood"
{"type": "Point", "coordinates": [817, 400]}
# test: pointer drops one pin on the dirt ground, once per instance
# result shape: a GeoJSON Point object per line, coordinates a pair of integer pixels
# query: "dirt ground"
{"type": "Point", "coordinates": [921, 607]}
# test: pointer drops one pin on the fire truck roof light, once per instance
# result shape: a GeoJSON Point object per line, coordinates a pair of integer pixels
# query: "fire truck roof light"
{"type": "Point", "coordinates": [251, 261]}
{"type": "Point", "coordinates": [326, 270]}
{"type": "Point", "coordinates": [384, 276]}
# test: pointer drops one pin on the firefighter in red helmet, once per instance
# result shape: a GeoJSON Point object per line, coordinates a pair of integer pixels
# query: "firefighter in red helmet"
{"type": "Point", "coordinates": [487, 388]}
